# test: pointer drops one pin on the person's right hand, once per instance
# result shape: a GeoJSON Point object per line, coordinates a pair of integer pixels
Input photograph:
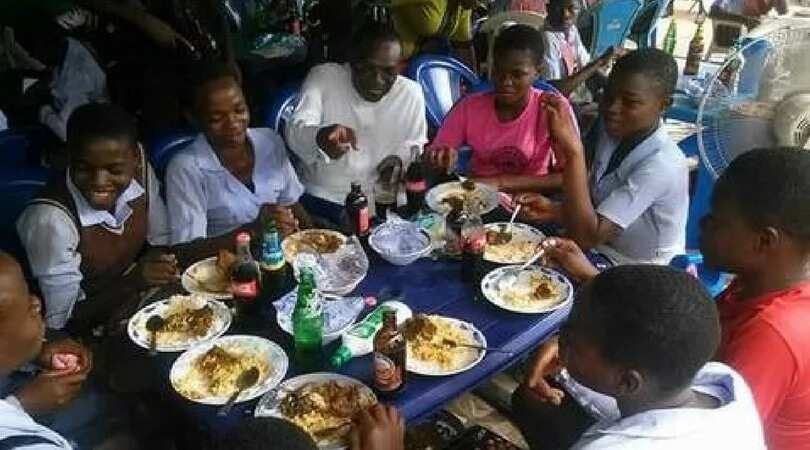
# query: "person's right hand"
{"type": "Point", "coordinates": [564, 134]}
{"type": "Point", "coordinates": [336, 140]}
{"type": "Point", "coordinates": [546, 363]}
{"type": "Point", "coordinates": [537, 208]}
{"type": "Point", "coordinates": [285, 220]}
{"type": "Point", "coordinates": [50, 391]}
{"type": "Point", "coordinates": [378, 428]}
{"type": "Point", "coordinates": [567, 255]}
{"type": "Point", "coordinates": [157, 268]}
{"type": "Point", "coordinates": [162, 33]}
{"type": "Point", "coordinates": [443, 157]}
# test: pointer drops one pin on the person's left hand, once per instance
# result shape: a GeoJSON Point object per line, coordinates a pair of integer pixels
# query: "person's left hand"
{"type": "Point", "coordinates": [285, 220]}
{"type": "Point", "coordinates": [378, 428]}
{"type": "Point", "coordinates": [388, 166]}
{"type": "Point", "coordinates": [564, 135]}
{"type": "Point", "coordinates": [65, 356]}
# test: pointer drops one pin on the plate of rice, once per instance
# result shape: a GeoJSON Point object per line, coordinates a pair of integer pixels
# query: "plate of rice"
{"type": "Point", "coordinates": [322, 404]}
{"type": "Point", "coordinates": [207, 373]}
{"type": "Point", "coordinates": [446, 196]}
{"type": "Point", "coordinates": [519, 249]}
{"type": "Point", "coordinates": [431, 349]}
{"type": "Point", "coordinates": [210, 276]}
{"type": "Point", "coordinates": [188, 320]}
{"type": "Point", "coordinates": [536, 289]}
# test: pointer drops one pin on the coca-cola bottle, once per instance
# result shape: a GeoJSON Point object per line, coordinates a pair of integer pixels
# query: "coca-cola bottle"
{"type": "Point", "coordinates": [415, 182]}
{"type": "Point", "coordinates": [357, 211]}
{"type": "Point", "coordinates": [453, 222]}
{"type": "Point", "coordinates": [245, 276]}
{"type": "Point", "coordinates": [390, 357]}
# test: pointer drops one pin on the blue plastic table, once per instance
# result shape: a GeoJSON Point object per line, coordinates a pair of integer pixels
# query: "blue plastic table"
{"type": "Point", "coordinates": [430, 287]}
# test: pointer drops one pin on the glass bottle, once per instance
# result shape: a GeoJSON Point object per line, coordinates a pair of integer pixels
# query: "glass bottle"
{"type": "Point", "coordinates": [245, 276]}
{"type": "Point", "coordinates": [308, 321]}
{"type": "Point", "coordinates": [390, 357]}
{"type": "Point", "coordinates": [474, 239]}
{"type": "Point", "coordinates": [415, 182]}
{"type": "Point", "coordinates": [357, 210]}
{"type": "Point", "coordinates": [274, 268]}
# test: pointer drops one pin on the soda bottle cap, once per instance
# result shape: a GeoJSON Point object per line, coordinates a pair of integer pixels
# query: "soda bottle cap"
{"type": "Point", "coordinates": [243, 237]}
{"type": "Point", "coordinates": [356, 185]}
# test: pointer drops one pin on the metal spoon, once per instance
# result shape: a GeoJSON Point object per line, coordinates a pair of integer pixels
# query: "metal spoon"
{"type": "Point", "coordinates": [246, 380]}
{"type": "Point", "coordinates": [505, 235]}
{"type": "Point", "coordinates": [153, 325]}
{"type": "Point", "coordinates": [510, 276]}
{"type": "Point", "coordinates": [453, 343]}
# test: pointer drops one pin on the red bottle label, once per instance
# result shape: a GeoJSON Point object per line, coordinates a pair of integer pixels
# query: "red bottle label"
{"type": "Point", "coordinates": [362, 221]}
{"type": "Point", "coordinates": [416, 186]}
{"type": "Point", "coordinates": [245, 291]}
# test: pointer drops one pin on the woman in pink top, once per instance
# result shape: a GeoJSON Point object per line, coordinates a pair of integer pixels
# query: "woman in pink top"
{"type": "Point", "coordinates": [506, 128]}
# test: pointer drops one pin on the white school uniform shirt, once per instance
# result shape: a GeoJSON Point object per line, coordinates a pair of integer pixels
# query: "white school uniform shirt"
{"type": "Point", "coordinates": [387, 127]}
{"type": "Point", "coordinates": [20, 432]}
{"type": "Point", "coordinates": [50, 239]}
{"type": "Point", "coordinates": [553, 64]}
{"type": "Point", "coordinates": [206, 200]}
{"type": "Point", "coordinates": [79, 80]}
{"type": "Point", "coordinates": [647, 196]}
{"type": "Point", "coordinates": [734, 424]}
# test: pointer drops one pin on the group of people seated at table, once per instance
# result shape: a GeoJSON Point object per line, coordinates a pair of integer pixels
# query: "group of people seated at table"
{"type": "Point", "coordinates": [639, 340]}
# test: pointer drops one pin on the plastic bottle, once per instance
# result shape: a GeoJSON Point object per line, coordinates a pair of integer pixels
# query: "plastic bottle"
{"type": "Point", "coordinates": [359, 339]}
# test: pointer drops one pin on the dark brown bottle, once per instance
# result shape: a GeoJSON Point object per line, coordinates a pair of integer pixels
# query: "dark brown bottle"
{"type": "Point", "coordinates": [415, 183]}
{"type": "Point", "coordinates": [357, 211]}
{"type": "Point", "coordinates": [390, 357]}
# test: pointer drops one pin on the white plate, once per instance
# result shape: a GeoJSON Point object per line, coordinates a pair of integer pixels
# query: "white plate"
{"type": "Point", "coordinates": [268, 350]}
{"type": "Point", "coordinates": [269, 405]}
{"type": "Point", "coordinates": [199, 270]}
{"type": "Point", "coordinates": [435, 370]}
{"type": "Point", "coordinates": [520, 232]}
{"type": "Point", "coordinates": [434, 196]}
{"type": "Point", "coordinates": [140, 336]}
{"type": "Point", "coordinates": [489, 287]}
{"type": "Point", "coordinates": [287, 243]}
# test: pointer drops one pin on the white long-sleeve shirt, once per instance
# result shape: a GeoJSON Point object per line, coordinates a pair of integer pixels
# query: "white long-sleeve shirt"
{"type": "Point", "coordinates": [19, 431]}
{"type": "Point", "coordinates": [387, 127]}
{"type": "Point", "coordinates": [50, 239]}
{"type": "Point", "coordinates": [79, 80]}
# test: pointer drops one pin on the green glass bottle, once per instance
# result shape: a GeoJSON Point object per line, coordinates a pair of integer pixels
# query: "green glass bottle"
{"type": "Point", "coordinates": [671, 38]}
{"type": "Point", "coordinates": [308, 323]}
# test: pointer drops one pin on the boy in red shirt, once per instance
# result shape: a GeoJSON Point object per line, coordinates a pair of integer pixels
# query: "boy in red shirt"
{"type": "Point", "coordinates": [759, 229]}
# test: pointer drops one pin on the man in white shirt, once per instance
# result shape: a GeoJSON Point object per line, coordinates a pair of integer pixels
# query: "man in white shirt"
{"type": "Point", "coordinates": [351, 118]}
{"type": "Point", "coordinates": [635, 349]}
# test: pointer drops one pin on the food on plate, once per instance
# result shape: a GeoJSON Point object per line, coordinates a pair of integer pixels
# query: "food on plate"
{"type": "Point", "coordinates": [455, 200]}
{"type": "Point", "coordinates": [498, 237]}
{"type": "Point", "coordinates": [431, 339]}
{"type": "Point", "coordinates": [322, 241]}
{"type": "Point", "coordinates": [325, 409]}
{"type": "Point", "coordinates": [532, 289]}
{"type": "Point", "coordinates": [187, 317]}
{"type": "Point", "coordinates": [216, 278]}
{"type": "Point", "coordinates": [515, 250]}
{"type": "Point", "coordinates": [214, 373]}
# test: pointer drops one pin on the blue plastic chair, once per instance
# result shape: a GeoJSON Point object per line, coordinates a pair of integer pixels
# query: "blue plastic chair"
{"type": "Point", "coordinates": [701, 193]}
{"type": "Point", "coordinates": [611, 21]}
{"type": "Point", "coordinates": [442, 79]}
{"type": "Point", "coordinates": [17, 187]}
{"type": "Point", "coordinates": [282, 104]}
{"type": "Point", "coordinates": [713, 280]}
{"type": "Point", "coordinates": [645, 25]}
{"type": "Point", "coordinates": [23, 146]}
{"type": "Point", "coordinates": [162, 148]}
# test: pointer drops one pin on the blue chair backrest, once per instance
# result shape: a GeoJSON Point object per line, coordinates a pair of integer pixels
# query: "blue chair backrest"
{"type": "Point", "coordinates": [442, 79]}
{"type": "Point", "coordinates": [702, 191]}
{"type": "Point", "coordinates": [281, 106]}
{"type": "Point", "coordinates": [17, 187]}
{"type": "Point", "coordinates": [713, 280]}
{"type": "Point", "coordinates": [644, 34]}
{"type": "Point", "coordinates": [755, 53]}
{"type": "Point", "coordinates": [23, 146]}
{"type": "Point", "coordinates": [161, 149]}
{"type": "Point", "coordinates": [612, 20]}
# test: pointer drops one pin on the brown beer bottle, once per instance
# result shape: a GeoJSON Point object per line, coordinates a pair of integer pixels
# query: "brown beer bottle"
{"type": "Point", "coordinates": [390, 357]}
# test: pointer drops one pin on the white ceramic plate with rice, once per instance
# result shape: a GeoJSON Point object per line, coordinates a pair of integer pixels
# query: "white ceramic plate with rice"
{"type": "Point", "coordinates": [205, 277]}
{"type": "Point", "coordinates": [519, 249]}
{"type": "Point", "coordinates": [439, 197]}
{"type": "Point", "coordinates": [169, 341]}
{"type": "Point", "coordinates": [536, 289]}
{"type": "Point", "coordinates": [432, 357]}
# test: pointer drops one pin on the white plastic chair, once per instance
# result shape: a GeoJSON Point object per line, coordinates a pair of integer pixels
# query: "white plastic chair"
{"type": "Point", "coordinates": [495, 24]}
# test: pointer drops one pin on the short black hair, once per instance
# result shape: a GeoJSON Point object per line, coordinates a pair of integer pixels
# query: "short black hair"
{"type": "Point", "coordinates": [370, 35]}
{"type": "Point", "coordinates": [655, 319]}
{"type": "Point", "coordinates": [265, 433]}
{"type": "Point", "coordinates": [771, 187]}
{"type": "Point", "coordinates": [100, 121]}
{"type": "Point", "coordinates": [520, 37]}
{"type": "Point", "coordinates": [657, 65]}
{"type": "Point", "coordinates": [200, 74]}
